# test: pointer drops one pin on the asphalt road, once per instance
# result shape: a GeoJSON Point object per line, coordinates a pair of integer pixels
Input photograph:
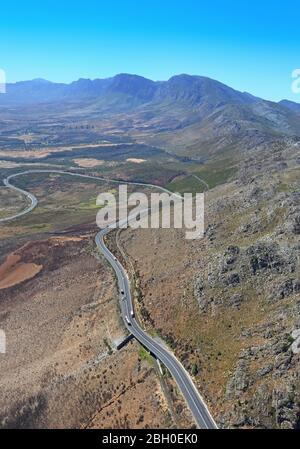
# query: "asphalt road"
{"type": "Point", "coordinates": [32, 199]}
{"type": "Point", "coordinates": [185, 383]}
{"type": "Point", "coordinates": [195, 402]}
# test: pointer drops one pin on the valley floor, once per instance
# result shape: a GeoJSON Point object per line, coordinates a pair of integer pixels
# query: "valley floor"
{"type": "Point", "coordinates": [228, 305]}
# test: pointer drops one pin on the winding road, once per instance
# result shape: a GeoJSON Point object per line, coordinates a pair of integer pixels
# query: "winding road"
{"type": "Point", "coordinates": [196, 404]}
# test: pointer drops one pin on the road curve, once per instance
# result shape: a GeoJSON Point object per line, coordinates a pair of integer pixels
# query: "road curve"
{"type": "Point", "coordinates": [32, 199]}
{"type": "Point", "coordinates": [184, 381]}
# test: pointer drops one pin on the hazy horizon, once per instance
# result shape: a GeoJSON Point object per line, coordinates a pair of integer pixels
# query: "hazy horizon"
{"type": "Point", "coordinates": [136, 74]}
{"type": "Point", "coordinates": [253, 49]}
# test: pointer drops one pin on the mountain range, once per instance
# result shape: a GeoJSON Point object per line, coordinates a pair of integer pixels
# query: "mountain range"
{"type": "Point", "coordinates": [193, 115]}
{"type": "Point", "coordinates": [192, 90]}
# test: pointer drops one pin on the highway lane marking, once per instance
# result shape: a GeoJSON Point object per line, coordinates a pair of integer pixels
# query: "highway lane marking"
{"type": "Point", "coordinates": [62, 172]}
{"type": "Point", "coordinates": [172, 361]}
{"type": "Point", "coordinates": [152, 343]}
{"type": "Point", "coordinates": [180, 376]}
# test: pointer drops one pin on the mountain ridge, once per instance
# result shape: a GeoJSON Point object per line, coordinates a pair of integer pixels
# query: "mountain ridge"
{"type": "Point", "coordinates": [96, 85]}
{"type": "Point", "coordinates": [186, 113]}
{"type": "Point", "coordinates": [42, 90]}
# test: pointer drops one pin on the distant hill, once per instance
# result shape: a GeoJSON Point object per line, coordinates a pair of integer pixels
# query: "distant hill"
{"type": "Point", "coordinates": [191, 115]}
{"type": "Point", "coordinates": [295, 107]}
{"type": "Point", "coordinates": [191, 90]}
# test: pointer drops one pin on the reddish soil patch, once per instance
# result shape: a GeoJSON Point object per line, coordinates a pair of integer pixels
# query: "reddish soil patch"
{"type": "Point", "coordinates": [14, 271]}
{"type": "Point", "coordinates": [27, 261]}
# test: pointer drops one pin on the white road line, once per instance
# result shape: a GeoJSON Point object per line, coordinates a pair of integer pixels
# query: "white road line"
{"type": "Point", "coordinates": [165, 355]}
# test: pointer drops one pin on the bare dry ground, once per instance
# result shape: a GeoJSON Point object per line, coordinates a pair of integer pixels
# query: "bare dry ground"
{"type": "Point", "coordinates": [88, 162]}
{"type": "Point", "coordinates": [228, 304]}
{"type": "Point", "coordinates": [61, 368]}
{"type": "Point", "coordinates": [14, 271]}
{"type": "Point", "coordinates": [59, 309]}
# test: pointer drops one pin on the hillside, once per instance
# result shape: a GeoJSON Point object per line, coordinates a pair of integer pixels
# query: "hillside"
{"type": "Point", "coordinates": [191, 116]}
{"type": "Point", "coordinates": [228, 304]}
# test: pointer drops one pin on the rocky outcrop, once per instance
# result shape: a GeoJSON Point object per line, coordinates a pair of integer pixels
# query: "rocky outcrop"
{"type": "Point", "coordinates": [252, 277]}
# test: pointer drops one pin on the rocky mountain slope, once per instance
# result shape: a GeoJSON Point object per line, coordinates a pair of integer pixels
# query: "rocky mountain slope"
{"type": "Point", "coordinates": [191, 115]}
{"type": "Point", "coordinates": [228, 305]}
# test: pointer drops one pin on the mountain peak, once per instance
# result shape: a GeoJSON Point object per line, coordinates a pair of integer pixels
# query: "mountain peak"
{"type": "Point", "coordinates": [292, 105]}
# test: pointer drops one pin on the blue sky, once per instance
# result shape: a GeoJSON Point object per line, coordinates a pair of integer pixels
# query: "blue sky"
{"type": "Point", "coordinates": [251, 46]}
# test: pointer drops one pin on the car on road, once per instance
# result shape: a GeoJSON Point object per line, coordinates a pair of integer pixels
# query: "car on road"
{"type": "Point", "coordinates": [128, 322]}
